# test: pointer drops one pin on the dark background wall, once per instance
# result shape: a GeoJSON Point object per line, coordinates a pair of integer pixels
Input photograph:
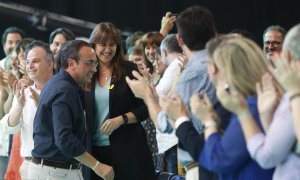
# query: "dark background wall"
{"type": "Point", "coordinates": [145, 15]}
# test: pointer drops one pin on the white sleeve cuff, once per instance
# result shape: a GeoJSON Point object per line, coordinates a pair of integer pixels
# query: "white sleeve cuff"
{"type": "Point", "coordinates": [181, 120]}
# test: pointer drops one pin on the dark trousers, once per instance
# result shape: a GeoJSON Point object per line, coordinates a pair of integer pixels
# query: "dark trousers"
{"type": "Point", "coordinates": [171, 156]}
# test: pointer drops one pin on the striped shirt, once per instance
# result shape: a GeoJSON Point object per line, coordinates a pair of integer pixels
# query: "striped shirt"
{"type": "Point", "coordinates": [195, 79]}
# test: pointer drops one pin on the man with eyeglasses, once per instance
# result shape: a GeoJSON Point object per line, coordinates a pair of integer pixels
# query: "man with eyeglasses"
{"type": "Point", "coordinates": [273, 39]}
{"type": "Point", "coordinates": [59, 128]}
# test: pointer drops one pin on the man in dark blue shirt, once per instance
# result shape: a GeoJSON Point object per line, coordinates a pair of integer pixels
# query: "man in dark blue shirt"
{"type": "Point", "coordinates": [59, 129]}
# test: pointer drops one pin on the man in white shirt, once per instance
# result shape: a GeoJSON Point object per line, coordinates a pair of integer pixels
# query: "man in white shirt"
{"type": "Point", "coordinates": [40, 69]}
{"type": "Point", "coordinates": [170, 53]}
{"type": "Point", "coordinates": [166, 142]}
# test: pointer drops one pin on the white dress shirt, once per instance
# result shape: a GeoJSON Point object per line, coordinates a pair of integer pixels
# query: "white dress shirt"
{"type": "Point", "coordinates": [166, 82]}
{"type": "Point", "coordinates": [26, 122]}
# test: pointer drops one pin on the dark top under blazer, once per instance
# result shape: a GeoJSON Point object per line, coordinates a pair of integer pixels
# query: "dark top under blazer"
{"type": "Point", "coordinates": [130, 151]}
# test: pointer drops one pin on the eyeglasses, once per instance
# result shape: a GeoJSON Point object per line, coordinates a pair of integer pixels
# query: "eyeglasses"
{"type": "Point", "coordinates": [89, 62]}
{"type": "Point", "coordinates": [274, 43]}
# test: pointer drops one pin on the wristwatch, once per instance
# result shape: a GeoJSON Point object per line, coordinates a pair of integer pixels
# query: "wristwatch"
{"type": "Point", "coordinates": [125, 119]}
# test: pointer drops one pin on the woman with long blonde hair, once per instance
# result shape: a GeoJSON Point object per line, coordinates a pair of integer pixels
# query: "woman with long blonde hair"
{"type": "Point", "coordinates": [235, 65]}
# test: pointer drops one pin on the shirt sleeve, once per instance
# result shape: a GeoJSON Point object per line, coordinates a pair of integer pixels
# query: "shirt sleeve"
{"type": "Point", "coordinates": [166, 82]}
{"type": "Point", "coordinates": [225, 154]}
{"type": "Point", "coordinates": [163, 124]}
{"type": "Point", "coordinates": [190, 139]}
{"type": "Point", "coordinates": [273, 148]}
{"type": "Point", "coordinates": [8, 129]}
{"type": "Point", "coordinates": [64, 111]}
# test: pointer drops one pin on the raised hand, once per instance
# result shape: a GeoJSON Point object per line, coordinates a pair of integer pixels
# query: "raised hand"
{"type": "Point", "coordinates": [9, 78]}
{"type": "Point", "coordinates": [22, 68]}
{"type": "Point", "coordinates": [138, 86]}
{"type": "Point", "coordinates": [167, 23]}
{"type": "Point", "coordinates": [288, 74]}
{"type": "Point", "coordinates": [18, 90]}
{"type": "Point", "coordinates": [268, 98]}
{"type": "Point", "coordinates": [202, 107]}
{"type": "Point", "coordinates": [230, 98]}
{"type": "Point", "coordinates": [145, 72]}
{"type": "Point", "coordinates": [26, 81]}
{"type": "Point", "coordinates": [173, 106]}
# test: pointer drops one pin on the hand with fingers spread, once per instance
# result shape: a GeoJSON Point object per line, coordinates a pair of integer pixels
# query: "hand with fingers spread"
{"type": "Point", "coordinates": [22, 67]}
{"type": "Point", "coordinates": [9, 78]}
{"type": "Point", "coordinates": [231, 99]}
{"type": "Point", "coordinates": [268, 99]}
{"type": "Point", "coordinates": [145, 72]}
{"type": "Point", "coordinates": [18, 90]}
{"type": "Point", "coordinates": [143, 69]}
{"type": "Point", "coordinates": [110, 125]}
{"type": "Point", "coordinates": [26, 81]}
{"type": "Point", "coordinates": [139, 86]}
{"type": "Point", "coordinates": [173, 106]}
{"type": "Point", "coordinates": [167, 23]}
{"type": "Point", "coordinates": [202, 107]}
{"type": "Point", "coordinates": [288, 74]}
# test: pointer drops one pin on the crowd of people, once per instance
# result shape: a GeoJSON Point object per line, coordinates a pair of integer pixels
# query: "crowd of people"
{"type": "Point", "coordinates": [192, 105]}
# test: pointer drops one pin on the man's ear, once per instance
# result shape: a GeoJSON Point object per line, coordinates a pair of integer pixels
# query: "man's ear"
{"type": "Point", "coordinates": [179, 39]}
{"type": "Point", "coordinates": [165, 53]}
{"type": "Point", "coordinates": [51, 64]}
{"type": "Point", "coordinates": [71, 64]}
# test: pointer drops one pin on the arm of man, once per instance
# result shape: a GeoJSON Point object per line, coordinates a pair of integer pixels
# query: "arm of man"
{"type": "Point", "coordinates": [17, 105]}
{"type": "Point", "coordinates": [8, 103]}
{"type": "Point", "coordinates": [142, 90]}
{"type": "Point", "coordinates": [102, 170]}
{"type": "Point", "coordinates": [15, 113]}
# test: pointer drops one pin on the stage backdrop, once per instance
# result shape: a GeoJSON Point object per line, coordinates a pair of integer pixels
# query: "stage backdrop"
{"type": "Point", "coordinates": [145, 15]}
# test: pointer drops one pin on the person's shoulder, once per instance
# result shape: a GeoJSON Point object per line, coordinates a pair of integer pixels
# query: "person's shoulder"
{"type": "Point", "coordinates": [129, 66]}
{"type": "Point", "coordinates": [58, 83]}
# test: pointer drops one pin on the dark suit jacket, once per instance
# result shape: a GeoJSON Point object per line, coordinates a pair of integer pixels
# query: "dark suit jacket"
{"type": "Point", "coordinates": [130, 151]}
{"type": "Point", "coordinates": [193, 142]}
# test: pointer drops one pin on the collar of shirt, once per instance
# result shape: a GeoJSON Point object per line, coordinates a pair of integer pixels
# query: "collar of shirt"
{"type": "Point", "coordinates": [196, 57]}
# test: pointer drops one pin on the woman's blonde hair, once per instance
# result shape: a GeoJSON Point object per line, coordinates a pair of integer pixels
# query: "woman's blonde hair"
{"type": "Point", "coordinates": [240, 60]}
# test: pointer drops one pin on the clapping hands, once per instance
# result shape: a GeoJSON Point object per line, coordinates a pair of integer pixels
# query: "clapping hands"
{"type": "Point", "coordinates": [288, 73]}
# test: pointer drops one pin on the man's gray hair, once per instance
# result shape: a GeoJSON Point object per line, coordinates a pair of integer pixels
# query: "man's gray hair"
{"type": "Point", "coordinates": [292, 42]}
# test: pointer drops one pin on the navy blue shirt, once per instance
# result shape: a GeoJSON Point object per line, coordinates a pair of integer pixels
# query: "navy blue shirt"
{"type": "Point", "coordinates": [59, 129]}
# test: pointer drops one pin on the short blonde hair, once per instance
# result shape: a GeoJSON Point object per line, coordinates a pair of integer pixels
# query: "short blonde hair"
{"type": "Point", "coordinates": [240, 60]}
